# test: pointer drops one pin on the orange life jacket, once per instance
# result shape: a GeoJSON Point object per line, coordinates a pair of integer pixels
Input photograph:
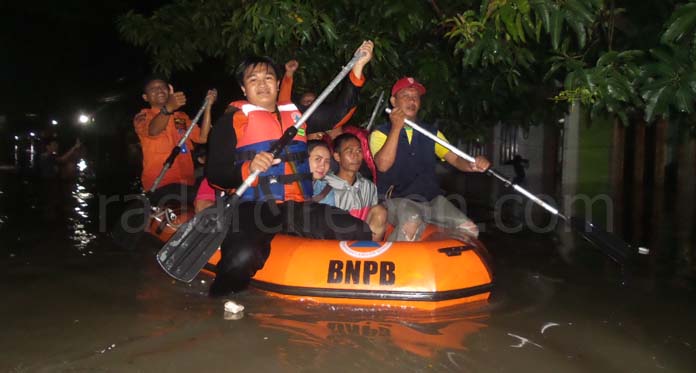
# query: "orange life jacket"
{"type": "Point", "coordinates": [258, 134]}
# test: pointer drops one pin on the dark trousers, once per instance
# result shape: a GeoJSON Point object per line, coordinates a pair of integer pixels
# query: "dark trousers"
{"type": "Point", "coordinates": [248, 242]}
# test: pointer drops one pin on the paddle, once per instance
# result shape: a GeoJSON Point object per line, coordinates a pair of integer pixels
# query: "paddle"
{"type": "Point", "coordinates": [375, 111]}
{"type": "Point", "coordinates": [190, 248]}
{"type": "Point", "coordinates": [177, 149]}
{"type": "Point", "coordinates": [610, 244]}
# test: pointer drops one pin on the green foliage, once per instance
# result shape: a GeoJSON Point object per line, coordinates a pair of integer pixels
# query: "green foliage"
{"type": "Point", "coordinates": [669, 83]}
{"type": "Point", "coordinates": [321, 35]}
{"type": "Point", "coordinates": [659, 83]}
{"type": "Point", "coordinates": [681, 25]}
{"type": "Point", "coordinates": [180, 35]}
{"type": "Point", "coordinates": [571, 45]}
{"type": "Point", "coordinates": [520, 47]}
{"type": "Point", "coordinates": [482, 61]}
{"type": "Point", "coordinates": [610, 85]}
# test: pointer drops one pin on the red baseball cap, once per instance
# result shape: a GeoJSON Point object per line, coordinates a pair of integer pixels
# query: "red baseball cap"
{"type": "Point", "coordinates": [407, 82]}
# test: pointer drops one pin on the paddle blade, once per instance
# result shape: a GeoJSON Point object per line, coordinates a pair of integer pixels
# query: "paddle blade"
{"type": "Point", "coordinates": [616, 248]}
{"type": "Point", "coordinates": [190, 248]}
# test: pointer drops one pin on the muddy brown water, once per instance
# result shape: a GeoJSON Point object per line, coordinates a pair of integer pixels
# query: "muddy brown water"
{"type": "Point", "coordinates": [74, 302]}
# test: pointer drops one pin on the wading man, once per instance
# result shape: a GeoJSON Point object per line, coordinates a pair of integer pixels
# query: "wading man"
{"type": "Point", "coordinates": [280, 198]}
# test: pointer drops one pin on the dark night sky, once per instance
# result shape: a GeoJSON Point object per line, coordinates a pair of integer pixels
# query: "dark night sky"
{"type": "Point", "coordinates": [60, 56]}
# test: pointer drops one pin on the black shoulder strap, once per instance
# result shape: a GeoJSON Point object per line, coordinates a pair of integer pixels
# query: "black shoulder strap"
{"type": "Point", "coordinates": [231, 109]}
{"type": "Point", "coordinates": [324, 192]}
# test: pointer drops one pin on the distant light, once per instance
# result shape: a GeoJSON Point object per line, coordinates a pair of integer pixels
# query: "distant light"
{"type": "Point", "coordinates": [16, 137]}
{"type": "Point", "coordinates": [54, 122]}
{"type": "Point", "coordinates": [82, 165]}
{"type": "Point", "coordinates": [32, 134]}
{"type": "Point", "coordinates": [83, 118]}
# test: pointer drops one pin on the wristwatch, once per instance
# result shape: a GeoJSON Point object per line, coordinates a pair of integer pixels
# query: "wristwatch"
{"type": "Point", "coordinates": [164, 111]}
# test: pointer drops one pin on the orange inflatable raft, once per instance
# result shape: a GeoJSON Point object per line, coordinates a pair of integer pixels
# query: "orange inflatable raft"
{"type": "Point", "coordinates": [436, 272]}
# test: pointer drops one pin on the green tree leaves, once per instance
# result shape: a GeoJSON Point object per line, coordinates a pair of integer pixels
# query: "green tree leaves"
{"type": "Point", "coordinates": [608, 87]}
{"type": "Point", "coordinates": [669, 83]}
{"type": "Point", "coordinates": [682, 25]}
{"type": "Point", "coordinates": [482, 61]}
{"type": "Point", "coordinates": [321, 35]}
{"type": "Point", "coordinates": [573, 41]}
{"type": "Point", "coordinates": [179, 35]}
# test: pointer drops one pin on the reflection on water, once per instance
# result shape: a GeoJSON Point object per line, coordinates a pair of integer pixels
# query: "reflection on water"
{"type": "Point", "coordinates": [15, 154]}
{"type": "Point", "coordinates": [81, 199]}
{"type": "Point", "coordinates": [32, 155]}
{"type": "Point", "coordinates": [422, 334]}
{"type": "Point", "coordinates": [74, 302]}
{"type": "Point", "coordinates": [60, 208]}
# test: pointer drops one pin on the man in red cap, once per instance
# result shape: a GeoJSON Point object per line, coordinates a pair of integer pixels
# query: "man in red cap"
{"type": "Point", "coordinates": [406, 163]}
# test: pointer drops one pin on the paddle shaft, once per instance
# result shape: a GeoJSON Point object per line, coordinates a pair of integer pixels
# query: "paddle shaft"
{"type": "Point", "coordinates": [187, 251]}
{"type": "Point", "coordinates": [177, 149]}
{"type": "Point", "coordinates": [375, 111]}
{"type": "Point", "coordinates": [612, 245]}
{"type": "Point", "coordinates": [491, 172]}
{"type": "Point", "coordinates": [292, 131]}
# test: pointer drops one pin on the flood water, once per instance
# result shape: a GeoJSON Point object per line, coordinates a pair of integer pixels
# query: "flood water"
{"type": "Point", "coordinates": [75, 302]}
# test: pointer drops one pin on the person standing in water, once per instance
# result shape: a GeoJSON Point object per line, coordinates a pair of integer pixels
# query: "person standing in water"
{"type": "Point", "coordinates": [279, 200]}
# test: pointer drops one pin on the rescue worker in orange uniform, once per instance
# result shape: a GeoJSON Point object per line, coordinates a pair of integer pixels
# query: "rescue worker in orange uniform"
{"type": "Point", "coordinates": [159, 128]}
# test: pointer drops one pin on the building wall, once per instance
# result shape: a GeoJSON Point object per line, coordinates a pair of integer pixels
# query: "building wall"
{"type": "Point", "coordinates": [586, 168]}
{"type": "Point", "coordinates": [529, 143]}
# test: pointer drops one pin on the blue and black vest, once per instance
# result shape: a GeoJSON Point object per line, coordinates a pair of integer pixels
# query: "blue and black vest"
{"type": "Point", "coordinates": [413, 173]}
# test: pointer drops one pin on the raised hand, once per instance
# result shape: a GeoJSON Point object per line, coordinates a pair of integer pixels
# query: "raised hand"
{"type": "Point", "coordinates": [175, 100]}
{"type": "Point", "coordinates": [366, 48]}
{"type": "Point", "coordinates": [211, 96]}
{"type": "Point", "coordinates": [290, 68]}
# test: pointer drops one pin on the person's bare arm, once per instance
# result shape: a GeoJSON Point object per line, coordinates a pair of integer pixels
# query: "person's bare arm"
{"type": "Point", "coordinates": [329, 114]}
{"type": "Point", "coordinates": [205, 126]}
{"type": "Point", "coordinates": [385, 157]}
{"type": "Point", "coordinates": [481, 164]}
